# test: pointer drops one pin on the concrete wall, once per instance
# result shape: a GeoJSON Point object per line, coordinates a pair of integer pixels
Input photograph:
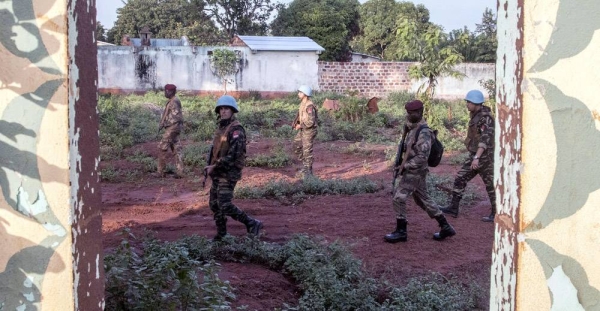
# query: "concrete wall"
{"type": "Point", "coordinates": [381, 78]}
{"type": "Point", "coordinates": [139, 69]}
{"type": "Point", "coordinates": [547, 170]}
{"type": "Point", "coordinates": [50, 225]}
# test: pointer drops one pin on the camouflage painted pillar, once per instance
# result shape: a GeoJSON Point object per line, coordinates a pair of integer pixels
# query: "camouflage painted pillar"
{"type": "Point", "coordinates": [50, 224]}
{"type": "Point", "coordinates": [547, 244]}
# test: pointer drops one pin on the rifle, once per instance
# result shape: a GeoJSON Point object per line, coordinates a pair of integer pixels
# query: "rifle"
{"type": "Point", "coordinates": [161, 125]}
{"type": "Point", "coordinates": [398, 161]}
{"type": "Point", "coordinates": [209, 159]}
{"type": "Point", "coordinates": [296, 121]}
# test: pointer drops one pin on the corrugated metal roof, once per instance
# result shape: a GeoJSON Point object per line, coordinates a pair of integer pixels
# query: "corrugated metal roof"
{"type": "Point", "coordinates": [264, 43]}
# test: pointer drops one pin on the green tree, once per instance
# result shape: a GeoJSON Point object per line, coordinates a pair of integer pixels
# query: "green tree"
{"type": "Point", "coordinates": [100, 32]}
{"type": "Point", "coordinates": [244, 17]}
{"type": "Point", "coordinates": [331, 23]}
{"type": "Point", "coordinates": [165, 19]}
{"type": "Point", "coordinates": [486, 41]}
{"type": "Point", "coordinates": [224, 64]}
{"type": "Point", "coordinates": [435, 58]}
{"type": "Point", "coordinates": [464, 42]}
{"type": "Point", "coordinates": [377, 25]}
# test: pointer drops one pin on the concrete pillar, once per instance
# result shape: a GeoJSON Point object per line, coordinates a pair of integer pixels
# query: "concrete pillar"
{"type": "Point", "coordinates": [50, 223]}
{"type": "Point", "coordinates": [547, 244]}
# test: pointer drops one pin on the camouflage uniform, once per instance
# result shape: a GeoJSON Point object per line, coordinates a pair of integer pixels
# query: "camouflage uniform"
{"type": "Point", "coordinates": [229, 157]}
{"type": "Point", "coordinates": [480, 135]}
{"type": "Point", "coordinates": [413, 180]}
{"type": "Point", "coordinates": [304, 140]}
{"type": "Point", "coordinates": [172, 121]}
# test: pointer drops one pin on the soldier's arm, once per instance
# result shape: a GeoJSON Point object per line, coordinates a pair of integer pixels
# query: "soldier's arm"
{"type": "Point", "coordinates": [311, 116]}
{"type": "Point", "coordinates": [486, 128]}
{"type": "Point", "coordinates": [237, 145]}
{"type": "Point", "coordinates": [421, 151]}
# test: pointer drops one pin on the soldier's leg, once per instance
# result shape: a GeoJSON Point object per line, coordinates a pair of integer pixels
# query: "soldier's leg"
{"type": "Point", "coordinates": [224, 198]}
{"type": "Point", "coordinates": [403, 191]}
{"type": "Point", "coordinates": [297, 144]}
{"type": "Point", "coordinates": [422, 197]}
{"type": "Point", "coordinates": [219, 217]}
{"type": "Point", "coordinates": [163, 147]}
{"type": "Point", "coordinates": [308, 139]}
{"type": "Point", "coordinates": [178, 153]}
{"type": "Point", "coordinates": [465, 174]}
{"type": "Point", "coordinates": [486, 172]}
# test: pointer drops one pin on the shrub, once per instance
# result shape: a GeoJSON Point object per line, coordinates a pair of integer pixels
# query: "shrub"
{"type": "Point", "coordinates": [285, 190]}
{"type": "Point", "coordinates": [196, 155]}
{"type": "Point", "coordinates": [162, 276]}
{"type": "Point", "coordinates": [279, 158]}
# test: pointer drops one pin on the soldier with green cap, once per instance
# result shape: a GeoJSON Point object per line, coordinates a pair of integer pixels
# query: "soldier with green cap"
{"type": "Point", "coordinates": [306, 125]}
{"type": "Point", "coordinates": [413, 176]}
{"type": "Point", "coordinates": [225, 168]}
{"type": "Point", "coordinates": [480, 144]}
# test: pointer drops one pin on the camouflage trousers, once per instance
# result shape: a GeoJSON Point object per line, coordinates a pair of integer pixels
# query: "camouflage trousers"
{"type": "Point", "coordinates": [414, 184]}
{"type": "Point", "coordinates": [485, 170]}
{"type": "Point", "coordinates": [221, 195]}
{"type": "Point", "coordinates": [303, 148]}
{"type": "Point", "coordinates": [170, 140]}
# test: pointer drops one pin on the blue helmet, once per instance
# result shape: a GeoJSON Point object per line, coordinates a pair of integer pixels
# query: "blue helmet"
{"type": "Point", "coordinates": [475, 97]}
{"type": "Point", "coordinates": [306, 90]}
{"type": "Point", "coordinates": [227, 100]}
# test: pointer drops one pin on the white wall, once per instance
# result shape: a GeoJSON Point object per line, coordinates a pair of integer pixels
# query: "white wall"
{"type": "Point", "coordinates": [449, 87]}
{"type": "Point", "coordinates": [188, 67]}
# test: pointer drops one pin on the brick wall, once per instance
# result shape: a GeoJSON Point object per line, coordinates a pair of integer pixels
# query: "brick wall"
{"type": "Point", "coordinates": [369, 79]}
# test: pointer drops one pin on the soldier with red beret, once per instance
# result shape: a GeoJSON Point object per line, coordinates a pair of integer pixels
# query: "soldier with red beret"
{"type": "Point", "coordinates": [413, 175]}
{"type": "Point", "coordinates": [172, 121]}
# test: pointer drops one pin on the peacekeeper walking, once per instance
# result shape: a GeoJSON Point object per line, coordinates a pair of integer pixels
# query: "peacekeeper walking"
{"type": "Point", "coordinates": [306, 124]}
{"type": "Point", "coordinates": [413, 174]}
{"type": "Point", "coordinates": [480, 144]}
{"type": "Point", "coordinates": [225, 168]}
{"type": "Point", "coordinates": [172, 121]}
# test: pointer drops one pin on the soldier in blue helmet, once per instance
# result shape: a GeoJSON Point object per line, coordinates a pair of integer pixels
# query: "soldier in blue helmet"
{"type": "Point", "coordinates": [225, 168]}
{"type": "Point", "coordinates": [480, 144]}
{"type": "Point", "coordinates": [306, 125]}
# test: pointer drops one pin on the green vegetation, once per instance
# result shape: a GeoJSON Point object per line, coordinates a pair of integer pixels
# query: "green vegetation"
{"type": "Point", "coordinates": [165, 276]}
{"type": "Point", "coordinates": [298, 191]}
{"type": "Point", "coordinates": [278, 158]}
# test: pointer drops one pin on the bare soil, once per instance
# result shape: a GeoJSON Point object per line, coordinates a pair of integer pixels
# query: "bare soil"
{"type": "Point", "coordinates": [176, 207]}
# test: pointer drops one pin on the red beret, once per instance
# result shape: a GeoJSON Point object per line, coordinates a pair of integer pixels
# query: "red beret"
{"type": "Point", "coordinates": [414, 105]}
{"type": "Point", "coordinates": [170, 87]}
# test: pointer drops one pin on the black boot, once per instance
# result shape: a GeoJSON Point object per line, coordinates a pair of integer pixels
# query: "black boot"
{"type": "Point", "coordinates": [446, 231]}
{"type": "Point", "coordinates": [489, 218]}
{"type": "Point", "coordinates": [253, 226]}
{"type": "Point", "coordinates": [221, 229]}
{"type": "Point", "coordinates": [452, 208]}
{"type": "Point", "coordinates": [400, 234]}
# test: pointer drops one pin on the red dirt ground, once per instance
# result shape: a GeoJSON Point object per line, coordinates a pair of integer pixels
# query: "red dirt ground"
{"type": "Point", "coordinates": [177, 207]}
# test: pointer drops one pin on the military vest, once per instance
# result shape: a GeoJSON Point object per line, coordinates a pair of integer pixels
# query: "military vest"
{"type": "Point", "coordinates": [473, 133]}
{"type": "Point", "coordinates": [221, 145]}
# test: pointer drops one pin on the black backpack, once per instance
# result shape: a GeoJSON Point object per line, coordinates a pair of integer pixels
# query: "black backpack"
{"type": "Point", "coordinates": [437, 149]}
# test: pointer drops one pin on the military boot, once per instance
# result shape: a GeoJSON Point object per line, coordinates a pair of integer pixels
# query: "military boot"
{"type": "Point", "coordinates": [221, 229]}
{"type": "Point", "coordinates": [253, 226]}
{"type": "Point", "coordinates": [489, 218]}
{"type": "Point", "coordinates": [400, 235]}
{"type": "Point", "coordinates": [453, 208]}
{"type": "Point", "coordinates": [446, 229]}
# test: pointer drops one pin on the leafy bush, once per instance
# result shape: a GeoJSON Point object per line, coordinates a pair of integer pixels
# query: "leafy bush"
{"type": "Point", "coordinates": [279, 158]}
{"type": "Point", "coordinates": [433, 292]}
{"type": "Point", "coordinates": [311, 186]}
{"type": "Point", "coordinates": [330, 277]}
{"type": "Point", "coordinates": [162, 276]}
{"type": "Point", "coordinates": [195, 156]}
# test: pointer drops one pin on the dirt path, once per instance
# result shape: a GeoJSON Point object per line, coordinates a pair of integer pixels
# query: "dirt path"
{"type": "Point", "coordinates": [174, 208]}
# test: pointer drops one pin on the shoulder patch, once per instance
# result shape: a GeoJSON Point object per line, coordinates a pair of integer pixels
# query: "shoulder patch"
{"type": "Point", "coordinates": [236, 134]}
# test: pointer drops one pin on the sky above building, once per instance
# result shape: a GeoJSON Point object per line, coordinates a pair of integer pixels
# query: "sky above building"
{"type": "Point", "coordinates": [451, 14]}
